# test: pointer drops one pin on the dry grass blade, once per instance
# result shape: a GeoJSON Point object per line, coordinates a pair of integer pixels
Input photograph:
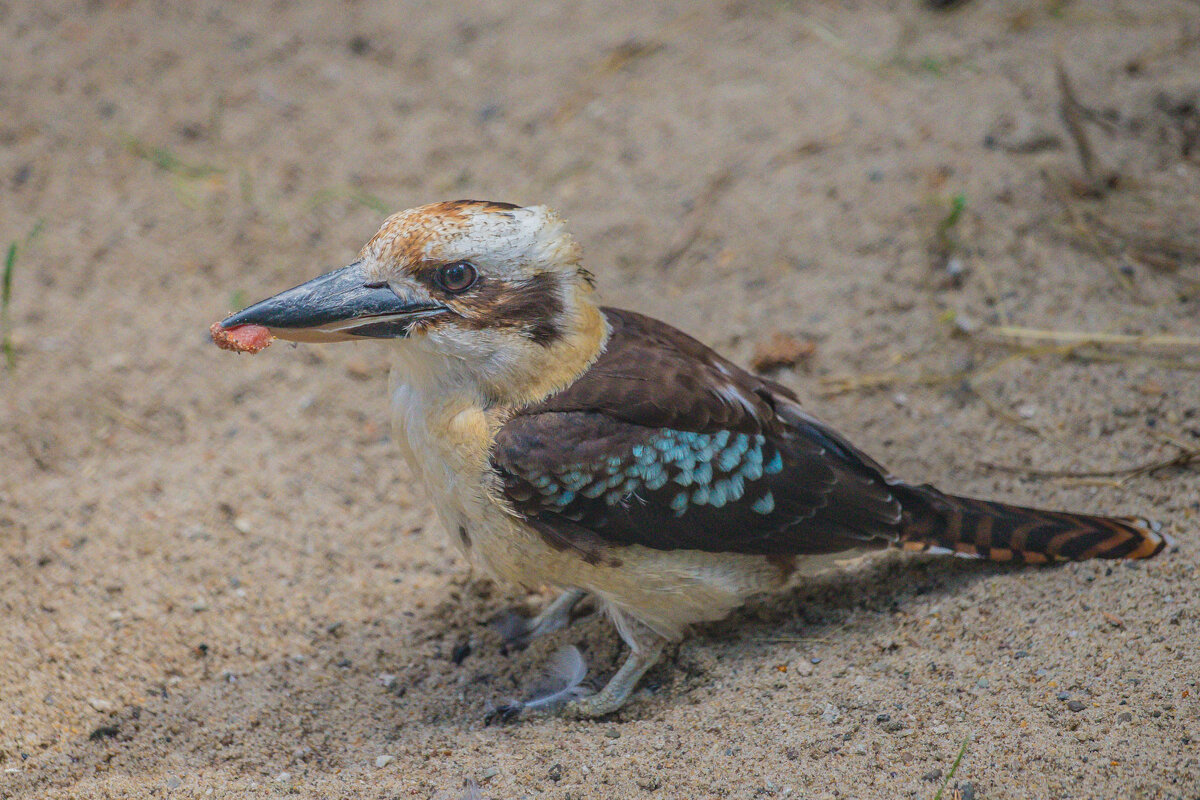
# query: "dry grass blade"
{"type": "Point", "coordinates": [1082, 228]}
{"type": "Point", "coordinates": [842, 384]}
{"type": "Point", "coordinates": [1071, 111]}
{"type": "Point", "coordinates": [1082, 354]}
{"type": "Point", "coordinates": [1005, 414]}
{"type": "Point", "coordinates": [1079, 338]}
{"type": "Point", "coordinates": [1187, 457]}
{"type": "Point", "coordinates": [695, 219]}
{"type": "Point", "coordinates": [111, 410]}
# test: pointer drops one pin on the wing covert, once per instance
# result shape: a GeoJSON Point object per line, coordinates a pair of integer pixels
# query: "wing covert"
{"type": "Point", "coordinates": [721, 491]}
{"type": "Point", "coordinates": [665, 444]}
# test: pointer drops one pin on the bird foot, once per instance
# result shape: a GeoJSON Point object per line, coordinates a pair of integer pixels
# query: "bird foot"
{"type": "Point", "coordinates": [591, 707]}
{"type": "Point", "coordinates": [518, 630]}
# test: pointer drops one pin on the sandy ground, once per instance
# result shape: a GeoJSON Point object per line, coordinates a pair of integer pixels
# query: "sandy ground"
{"type": "Point", "coordinates": [217, 578]}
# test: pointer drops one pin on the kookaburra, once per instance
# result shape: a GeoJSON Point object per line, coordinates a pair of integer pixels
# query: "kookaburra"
{"type": "Point", "coordinates": [607, 453]}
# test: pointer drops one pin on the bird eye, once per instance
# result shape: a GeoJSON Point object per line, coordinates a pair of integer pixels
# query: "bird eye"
{"type": "Point", "coordinates": [457, 277]}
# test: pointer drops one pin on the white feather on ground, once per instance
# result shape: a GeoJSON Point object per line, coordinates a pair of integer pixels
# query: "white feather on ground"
{"type": "Point", "coordinates": [473, 791]}
{"type": "Point", "coordinates": [561, 682]}
{"type": "Point", "coordinates": [564, 673]}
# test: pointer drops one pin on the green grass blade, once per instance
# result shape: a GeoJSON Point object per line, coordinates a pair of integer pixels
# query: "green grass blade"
{"type": "Point", "coordinates": [962, 751]}
{"type": "Point", "coordinates": [6, 280]}
{"type": "Point", "coordinates": [10, 263]}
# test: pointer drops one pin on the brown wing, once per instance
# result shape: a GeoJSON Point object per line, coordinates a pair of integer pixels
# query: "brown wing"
{"type": "Point", "coordinates": [665, 444]}
{"type": "Point", "coordinates": [656, 376]}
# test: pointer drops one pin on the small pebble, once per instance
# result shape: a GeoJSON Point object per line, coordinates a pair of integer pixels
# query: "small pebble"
{"type": "Point", "coordinates": [983, 683]}
{"type": "Point", "coordinates": [1076, 705]}
{"type": "Point", "coordinates": [104, 732]}
{"type": "Point", "coordinates": [283, 777]}
{"type": "Point", "coordinates": [489, 111]}
{"type": "Point", "coordinates": [965, 324]}
{"type": "Point", "coordinates": [100, 704]}
{"type": "Point", "coordinates": [175, 783]}
{"type": "Point", "coordinates": [613, 733]}
{"type": "Point", "coordinates": [1064, 695]}
{"type": "Point", "coordinates": [383, 761]}
{"type": "Point", "coordinates": [932, 775]}
{"type": "Point", "coordinates": [489, 773]}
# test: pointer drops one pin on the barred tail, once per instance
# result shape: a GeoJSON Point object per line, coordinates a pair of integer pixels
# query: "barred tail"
{"type": "Point", "coordinates": [933, 521]}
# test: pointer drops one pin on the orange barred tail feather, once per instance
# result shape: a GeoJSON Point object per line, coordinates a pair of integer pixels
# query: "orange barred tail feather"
{"type": "Point", "coordinates": [937, 522]}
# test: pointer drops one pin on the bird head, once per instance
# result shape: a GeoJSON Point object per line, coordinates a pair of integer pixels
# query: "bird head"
{"type": "Point", "coordinates": [491, 292]}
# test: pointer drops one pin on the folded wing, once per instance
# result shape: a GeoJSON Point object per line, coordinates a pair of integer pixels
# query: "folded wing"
{"type": "Point", "coordinates": [665, 444]}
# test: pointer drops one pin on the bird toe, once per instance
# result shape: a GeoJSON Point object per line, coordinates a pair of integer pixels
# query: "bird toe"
{"type": "Point", "coordinates": [515, 630]}
{"type": "Point", "coordinates": [504, 714]}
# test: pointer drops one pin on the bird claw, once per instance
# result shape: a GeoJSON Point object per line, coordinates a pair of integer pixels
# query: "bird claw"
{"type": "Point", "coordinates": [505, 714]}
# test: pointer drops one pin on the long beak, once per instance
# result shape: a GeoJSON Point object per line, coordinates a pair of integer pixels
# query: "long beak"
{"type": "Point", "coordinates": [338, 306]}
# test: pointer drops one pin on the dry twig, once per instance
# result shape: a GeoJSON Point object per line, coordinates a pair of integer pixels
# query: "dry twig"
{"type": "Point", "coordinates": [695, 219]}
{"type": "Point", "coordinates": [1186, 457]}
{"type": "Point", "coordinates": [1079, 338]}
{"type": "Point", "coordinates": [1073, 114]}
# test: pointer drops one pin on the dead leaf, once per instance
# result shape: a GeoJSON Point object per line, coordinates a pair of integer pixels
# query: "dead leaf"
{"type": "Point", "coordinates": [780, 351]}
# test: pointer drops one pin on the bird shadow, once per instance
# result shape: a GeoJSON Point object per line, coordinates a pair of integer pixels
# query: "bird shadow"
{"type": "Point", "coordinates": [435, 670]}
{"type": "Point", "coordinates": [859, 602]}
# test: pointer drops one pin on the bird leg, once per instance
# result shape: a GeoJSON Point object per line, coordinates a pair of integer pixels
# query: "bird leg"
{"type": "Point", "coordinates": [518, 631]}
{"type": "Point", "coordinates": [646, 648]}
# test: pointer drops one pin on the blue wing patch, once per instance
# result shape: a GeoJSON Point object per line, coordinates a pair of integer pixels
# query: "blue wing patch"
{"type": "Point", "coordinates": [703, 469]}
{"type": "Point", "coordinates": [588, 477]}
